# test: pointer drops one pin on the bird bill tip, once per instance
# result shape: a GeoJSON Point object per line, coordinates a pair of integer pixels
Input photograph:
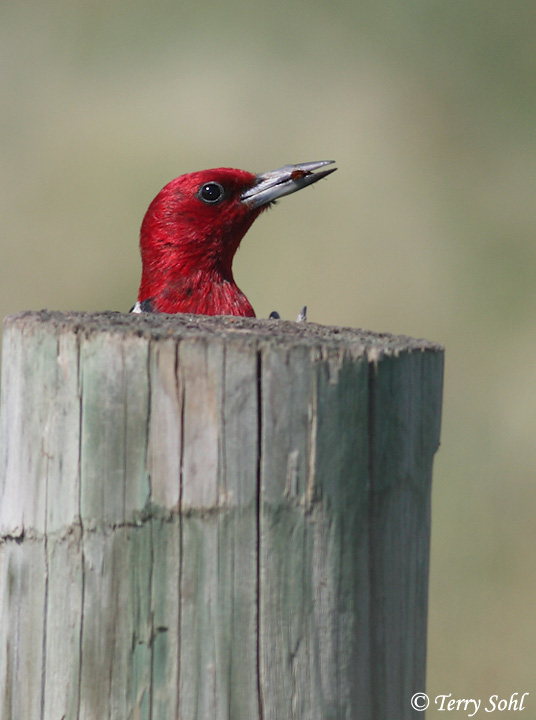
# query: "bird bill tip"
{"type": "Point", "coordinates": [275, 184]}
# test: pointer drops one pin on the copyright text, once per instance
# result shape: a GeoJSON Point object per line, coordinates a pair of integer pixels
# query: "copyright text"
{"type": "Point", "coordinates": [470, 706]}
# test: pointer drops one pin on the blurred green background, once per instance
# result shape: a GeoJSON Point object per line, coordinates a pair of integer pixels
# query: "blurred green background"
{"type": "Point", "coordinates": [427, 228]}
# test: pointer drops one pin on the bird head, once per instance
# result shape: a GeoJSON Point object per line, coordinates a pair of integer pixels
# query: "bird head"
{"type": "Point", "coordinates": [193, 227]}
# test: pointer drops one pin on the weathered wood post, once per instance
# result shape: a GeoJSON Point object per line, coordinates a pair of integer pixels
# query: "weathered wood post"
{"type": "Point", "coordinates": [213, 518]}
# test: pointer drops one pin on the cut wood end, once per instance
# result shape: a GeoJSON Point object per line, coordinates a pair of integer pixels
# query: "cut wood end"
{"type": "Point", "coordinates": [181, 326]}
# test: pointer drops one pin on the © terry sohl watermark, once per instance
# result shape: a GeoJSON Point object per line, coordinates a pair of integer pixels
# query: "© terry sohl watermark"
{"type": "Point", "coordinates": [446, 703]}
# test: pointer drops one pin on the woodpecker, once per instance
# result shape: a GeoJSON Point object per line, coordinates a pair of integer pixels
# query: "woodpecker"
{"type": "Point", "coordinates": [192, 231]}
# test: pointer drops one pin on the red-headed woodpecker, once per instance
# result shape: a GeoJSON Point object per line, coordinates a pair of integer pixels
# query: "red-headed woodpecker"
{"type": "Point", "coordinates": [192, 231]}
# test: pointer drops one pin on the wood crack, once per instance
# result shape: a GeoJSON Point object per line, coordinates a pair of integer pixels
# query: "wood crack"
{"type": "Point", "coordinates": [260, 699]}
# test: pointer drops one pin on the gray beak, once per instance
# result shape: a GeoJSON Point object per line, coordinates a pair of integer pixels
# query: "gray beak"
{"type": "Point", "coordinates": [272, 185]}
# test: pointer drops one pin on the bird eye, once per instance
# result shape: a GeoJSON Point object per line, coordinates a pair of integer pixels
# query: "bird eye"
{"type": "Point", "coordinates": [211, 192]}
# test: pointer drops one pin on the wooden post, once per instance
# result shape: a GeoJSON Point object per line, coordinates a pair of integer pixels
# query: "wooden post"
{"type": "Point", "coordinates": [213, 518]}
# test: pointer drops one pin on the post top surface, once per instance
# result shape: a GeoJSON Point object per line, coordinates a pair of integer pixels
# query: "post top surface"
{"type": "Point", "coordinates": [159, 326]}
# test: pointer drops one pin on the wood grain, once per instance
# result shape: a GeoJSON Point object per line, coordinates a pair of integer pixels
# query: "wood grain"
{"type": "Point", "coordinates": [217, 518]}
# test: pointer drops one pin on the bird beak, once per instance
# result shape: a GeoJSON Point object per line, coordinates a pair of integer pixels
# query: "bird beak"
{"type": "Point", "coordinates": [277, 183]}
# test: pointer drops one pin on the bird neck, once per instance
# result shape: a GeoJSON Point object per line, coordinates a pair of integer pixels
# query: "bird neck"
{"type": "Point", "coordinates": [205, 292]}
{"type": "Point", "coordinates": [187, 267]}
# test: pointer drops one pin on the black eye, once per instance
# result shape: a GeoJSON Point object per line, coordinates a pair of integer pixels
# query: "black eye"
{"type": "Point", "coordinates": [211, 192]}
